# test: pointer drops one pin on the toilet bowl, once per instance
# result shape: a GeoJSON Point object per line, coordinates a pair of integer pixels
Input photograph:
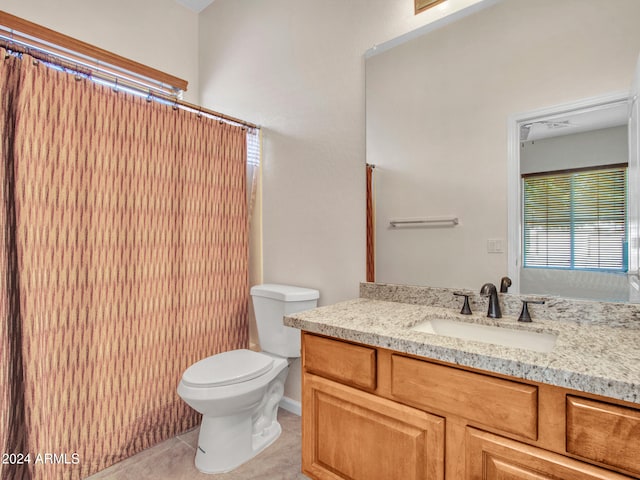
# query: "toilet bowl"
{"type": "Point", "coordinates": [238, 392]}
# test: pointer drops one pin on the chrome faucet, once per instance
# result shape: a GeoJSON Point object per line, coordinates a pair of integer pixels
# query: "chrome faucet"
{"type": "Point", "coordinates": [489, 289]}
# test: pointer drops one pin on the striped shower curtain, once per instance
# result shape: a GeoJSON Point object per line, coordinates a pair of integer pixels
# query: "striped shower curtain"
{"type": "Point", "coordinates": [124, 261]}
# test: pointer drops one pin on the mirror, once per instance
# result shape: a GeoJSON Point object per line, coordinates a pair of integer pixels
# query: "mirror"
{"type": "Point", "coordinates": [438, 108]}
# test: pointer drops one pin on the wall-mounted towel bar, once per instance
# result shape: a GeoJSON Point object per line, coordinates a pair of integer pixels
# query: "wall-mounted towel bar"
{"type": "Point", "coordinates": [416, 222]}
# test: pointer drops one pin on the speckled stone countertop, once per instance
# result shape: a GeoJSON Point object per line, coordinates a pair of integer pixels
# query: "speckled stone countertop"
{"type": "Point", "coordinates": [596, 353]}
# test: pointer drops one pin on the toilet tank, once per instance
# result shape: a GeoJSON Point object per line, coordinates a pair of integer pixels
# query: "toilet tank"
{"type": "Point", "coordinates": [271, 303]}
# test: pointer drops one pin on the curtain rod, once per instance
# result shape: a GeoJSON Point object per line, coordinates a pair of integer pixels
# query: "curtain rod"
{"type": "Point", "coordinates": [152, 83]}
{"type": "Point", "coordinates": [201, 110]}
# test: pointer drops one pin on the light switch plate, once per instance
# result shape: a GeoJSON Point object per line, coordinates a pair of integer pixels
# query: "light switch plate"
{"type": "Point", "coordinates": [495, 245]}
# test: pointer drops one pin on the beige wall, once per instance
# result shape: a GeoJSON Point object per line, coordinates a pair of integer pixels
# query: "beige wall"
{"type": "Point", "coordinates": [159, 33]}
{"type": "Point", "coordinates": [438, 108]}
{"type": "Point", "coordinates": [296, 67]}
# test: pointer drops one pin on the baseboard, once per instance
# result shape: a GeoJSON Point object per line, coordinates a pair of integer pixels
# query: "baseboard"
{"type": "Point", "coordinates": [290, 405]}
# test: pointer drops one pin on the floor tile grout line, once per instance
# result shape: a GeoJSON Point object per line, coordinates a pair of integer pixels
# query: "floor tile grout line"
{"type": "Point", "coordinates": [179, 437]}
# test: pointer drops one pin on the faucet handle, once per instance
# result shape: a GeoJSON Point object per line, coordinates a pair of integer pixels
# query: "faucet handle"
{"type": "Point", "coordinates": [466, 309]}
{"type": "Point", "coordinates": [524, 314]}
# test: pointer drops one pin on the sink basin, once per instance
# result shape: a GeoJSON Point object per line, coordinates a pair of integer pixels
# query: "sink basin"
{"type": "Point", "coordinates": [507, 337]}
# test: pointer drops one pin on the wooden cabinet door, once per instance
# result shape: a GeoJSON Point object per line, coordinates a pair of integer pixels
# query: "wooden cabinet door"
{"type": "Point", "coordinates": [351, 434]}
{"type": "Point", "coordinates": [490, 457]}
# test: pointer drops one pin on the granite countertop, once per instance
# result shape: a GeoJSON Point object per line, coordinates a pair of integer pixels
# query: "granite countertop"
{"type": "Point", "coordinates": [594, 357]}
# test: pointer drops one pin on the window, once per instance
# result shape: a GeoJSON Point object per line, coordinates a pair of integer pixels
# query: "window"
{"type": "Point", "coordinates": [576, 220]}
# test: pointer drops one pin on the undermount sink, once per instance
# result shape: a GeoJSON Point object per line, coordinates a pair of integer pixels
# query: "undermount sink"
{"type": "Point", "coordinates": [507, 337]}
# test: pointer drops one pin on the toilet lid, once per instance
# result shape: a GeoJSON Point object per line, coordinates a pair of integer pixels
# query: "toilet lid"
{"type": "Point", "coordinates": [227, 368]}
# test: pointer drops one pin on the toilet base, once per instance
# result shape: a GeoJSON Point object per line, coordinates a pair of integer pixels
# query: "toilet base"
{"type": "Point", "coordinates": [227, 442]}
{"type": "Point", "coordinates": [220, 454]}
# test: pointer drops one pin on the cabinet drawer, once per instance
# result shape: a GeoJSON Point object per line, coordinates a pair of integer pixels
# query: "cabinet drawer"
{"type": "Point", "coordinates": [603, 432]}
{"type": "Point", "coordinates": [492, 402]}
{"type": "Point", "coordinates": [345, 362]}
{"type": "Point", "coordinates": [490, 457]}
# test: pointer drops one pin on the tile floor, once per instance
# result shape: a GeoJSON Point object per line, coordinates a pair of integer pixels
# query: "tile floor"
{"type": "Point", "coordinates": [173, 459]}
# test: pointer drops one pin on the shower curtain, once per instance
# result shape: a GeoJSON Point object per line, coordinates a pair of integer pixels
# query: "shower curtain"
{"type": "Point", "coordinates": [371, 225]}
{"type": "Point", "coordinates": [124, 261]}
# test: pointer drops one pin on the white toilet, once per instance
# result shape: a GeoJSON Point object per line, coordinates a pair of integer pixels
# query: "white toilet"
{"type": "Point", "coordinates": [238, 392]}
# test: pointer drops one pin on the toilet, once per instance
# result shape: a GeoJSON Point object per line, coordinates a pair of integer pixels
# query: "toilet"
{"type": "Point", "coordinates": [238, 392]}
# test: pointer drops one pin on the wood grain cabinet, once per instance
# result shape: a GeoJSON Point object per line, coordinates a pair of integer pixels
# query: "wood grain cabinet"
{"type": "Point", "coordinates": [347, 363]}
{"type": "Point", "coordinates": [373, 414]}
{"type": "Point", "coordinates": [352, 434]}
{"type": "Point", "coordinates": [502, 404]}
{"type": "Point", "coordinates": [605, 433]}
{"type": "Point", "coordinates": [490, 457]}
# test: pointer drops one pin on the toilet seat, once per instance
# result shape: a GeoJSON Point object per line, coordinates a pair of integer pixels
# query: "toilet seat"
{"type": "Point", "coordinates": [228, 368]}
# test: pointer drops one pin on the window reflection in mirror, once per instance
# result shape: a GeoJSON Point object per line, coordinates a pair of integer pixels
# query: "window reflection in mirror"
{"type": "Point", "coordinates": [574, 239]}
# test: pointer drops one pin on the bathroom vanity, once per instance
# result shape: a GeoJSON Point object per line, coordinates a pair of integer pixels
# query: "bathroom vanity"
{"type": "Point", "coordinates": [382, 400]}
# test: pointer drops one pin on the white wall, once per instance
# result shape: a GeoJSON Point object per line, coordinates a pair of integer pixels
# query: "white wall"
{"type": "Point", "coordinates": [438, 107]}
{"type": "Point", "coordinates": [159, 33]}
{"type": "Point", "coordinates": [296, 67]}
{"type": "Point", "coordinates": [607, 146]}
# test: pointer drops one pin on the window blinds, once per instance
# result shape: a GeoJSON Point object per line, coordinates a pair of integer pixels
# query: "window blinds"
{"type": "Point", "coordinates": [576, 220]}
